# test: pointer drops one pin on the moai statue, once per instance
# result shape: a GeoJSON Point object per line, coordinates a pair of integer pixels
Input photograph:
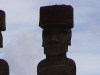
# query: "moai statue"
{"type": "Point", "coordinates": [56, 22]}
{"type": "Point", "coordinates": [4, 68]}
{"type": "Point", "coordinates": [2, 26]}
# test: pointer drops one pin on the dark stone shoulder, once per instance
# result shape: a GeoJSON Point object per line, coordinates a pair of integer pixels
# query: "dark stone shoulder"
{"type": "Point", "coordinates": [4, 67]}
{"type": "Point", "coordinates": [72, 66]}
{"type": "Point", "coordinates": [71, 61]}
{"type": "Point", "coordinates": [42, 63]}
{"type": "Point", "coordinates": [3, 63]}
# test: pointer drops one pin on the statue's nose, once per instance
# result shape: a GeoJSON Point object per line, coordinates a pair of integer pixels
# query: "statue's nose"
{"type": "Point", "coordinates": [53, 40]}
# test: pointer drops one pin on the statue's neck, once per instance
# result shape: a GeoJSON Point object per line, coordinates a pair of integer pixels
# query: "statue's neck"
{"type": "Point", "coordinates": [56, 57]}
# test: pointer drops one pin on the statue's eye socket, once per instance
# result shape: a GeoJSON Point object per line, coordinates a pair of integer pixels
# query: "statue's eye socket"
{"type": "Point", "coordinates": [47, 33]}
{"type": "Point", "coordinates": [57, 33]}
{"type": "Point", "coordinates": [63, 32]}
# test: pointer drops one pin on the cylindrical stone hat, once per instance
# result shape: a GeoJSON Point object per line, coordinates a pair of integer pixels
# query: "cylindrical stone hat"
{"type": "Point", "coordinates": [56, 15]}
{"type": "Point", "coordinates": [2, 21]}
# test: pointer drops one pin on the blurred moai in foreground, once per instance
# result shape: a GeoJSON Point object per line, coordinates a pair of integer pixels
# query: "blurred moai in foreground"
{"type": "Point", "coordinates": [4, 68]}
{"type": "Point", "coordinates": [56, 22]}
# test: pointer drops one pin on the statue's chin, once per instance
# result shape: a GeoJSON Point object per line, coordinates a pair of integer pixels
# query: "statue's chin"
{"type": "Point", "coordinates": [54, 50]}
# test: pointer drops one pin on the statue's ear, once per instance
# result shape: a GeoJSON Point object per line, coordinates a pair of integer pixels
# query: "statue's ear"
{"type": "Point", "coordinates": [42, 38]}
{"type": "Point", "coordinates": [1, 40]}
{"type": "Point", "coordinates": [69, 37]}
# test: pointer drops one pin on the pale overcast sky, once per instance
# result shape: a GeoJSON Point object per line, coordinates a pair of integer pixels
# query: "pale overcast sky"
{"type": "Point", "coordinates": [22, 39]}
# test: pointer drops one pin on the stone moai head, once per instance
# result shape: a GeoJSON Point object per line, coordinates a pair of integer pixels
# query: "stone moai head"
{"type": "Point", "coordinates": [4, 68]}
{"type": "Point", "coordinates": [2, 26]}
{"type": "Point", "coordinates": [56, 21]}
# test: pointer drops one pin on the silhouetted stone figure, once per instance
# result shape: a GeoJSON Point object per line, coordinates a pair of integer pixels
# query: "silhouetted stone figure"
{"type": "Point", "coordinates": [2, 26]}
{"type": "Point", "coordinates": [56, 21]}
{"type": "Point", "coordinates": [4, 68]}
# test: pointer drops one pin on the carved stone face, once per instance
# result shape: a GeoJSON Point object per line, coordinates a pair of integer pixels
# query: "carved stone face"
{"type": "Point", "coordinates": [56, 40]}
